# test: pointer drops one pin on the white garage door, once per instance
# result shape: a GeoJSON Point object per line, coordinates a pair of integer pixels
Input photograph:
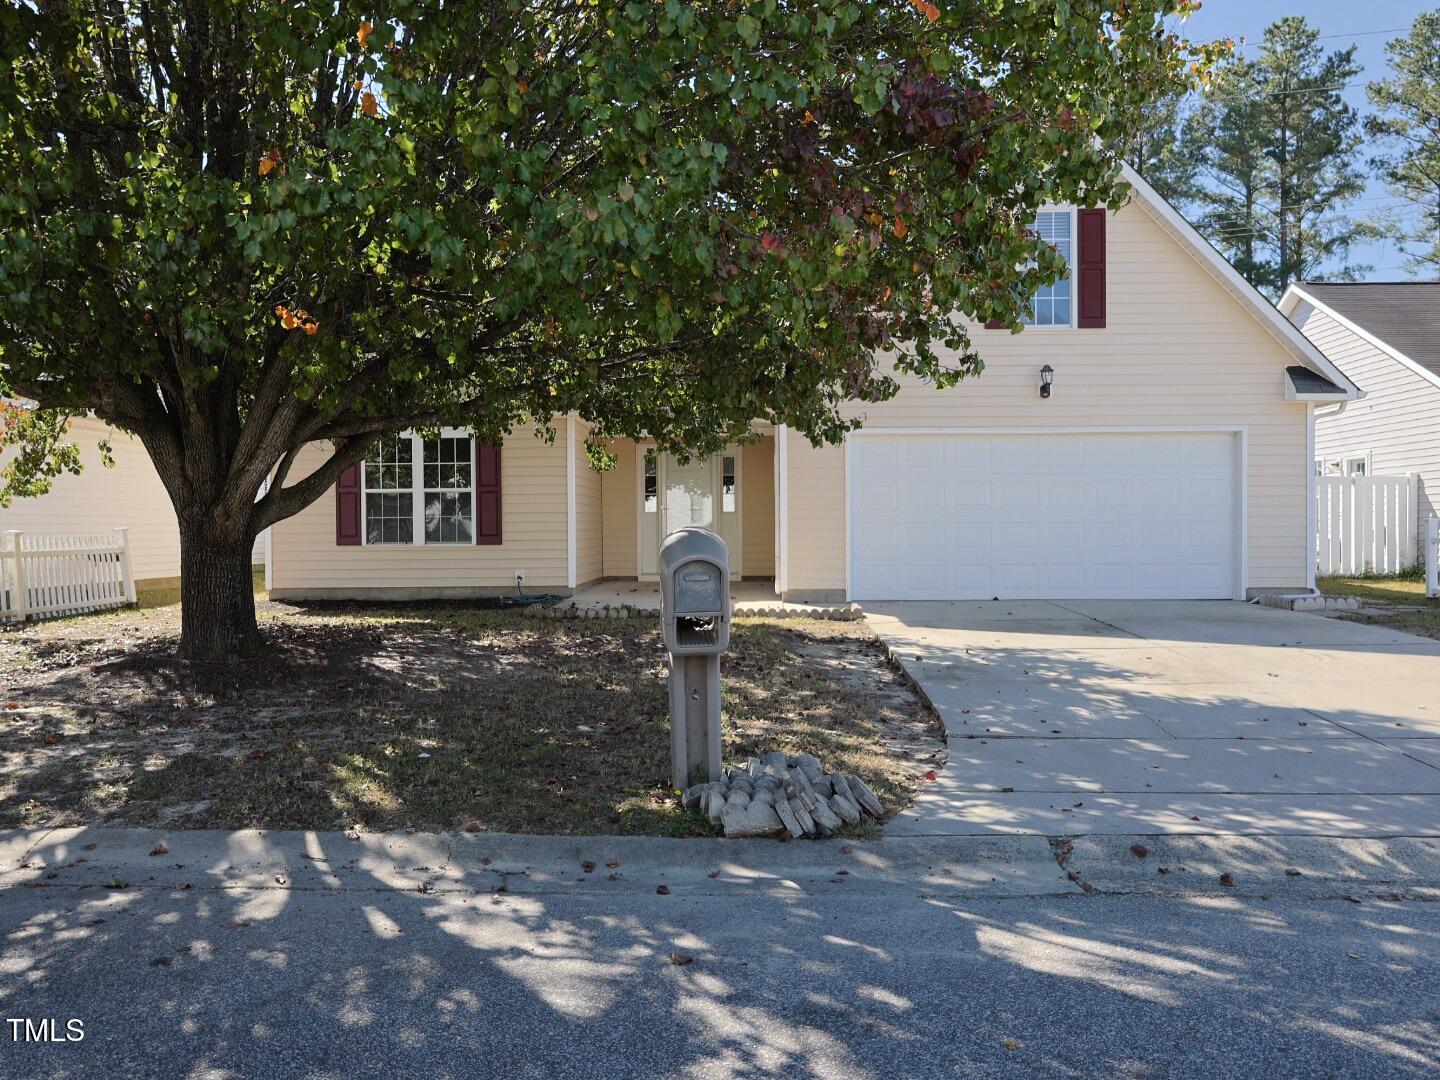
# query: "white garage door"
{"type": "Point", "coordinates": [1044, 516]}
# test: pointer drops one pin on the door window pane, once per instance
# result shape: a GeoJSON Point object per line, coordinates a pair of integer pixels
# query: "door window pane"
{"type": "Point", "coordinates": [727, 485]}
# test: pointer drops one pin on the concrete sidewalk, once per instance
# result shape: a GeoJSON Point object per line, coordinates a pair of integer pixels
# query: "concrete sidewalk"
{"type": "Point", "coordinates": [1168, 717]}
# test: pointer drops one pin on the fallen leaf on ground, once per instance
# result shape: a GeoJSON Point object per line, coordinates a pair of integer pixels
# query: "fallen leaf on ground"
{"type": "Point", "coordinates": [160, 849]}
{"type": "Point", "coordinates": [612, 862]}
{"type": "Point", "coordinates": [1292, 872]}
{"type": "Point", "coordinates": [713, 874]}
{"type": "Point", "coordinates": [1139, 850]}
{"type": "Point", "coordinates": [1228, 880]}
{"type": "Point", "coordinates": [662, 890]}
{"type": "Point", "coordinates": [1011, 1044]}
{"type": "Point", "coordinates": [679, 959]}
{"type": "Point", "coordinates": [930, 774]}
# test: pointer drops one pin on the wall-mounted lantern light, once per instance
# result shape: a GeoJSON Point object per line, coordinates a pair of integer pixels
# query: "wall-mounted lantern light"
{"type": "Point", "coordinates": [1047, 376]}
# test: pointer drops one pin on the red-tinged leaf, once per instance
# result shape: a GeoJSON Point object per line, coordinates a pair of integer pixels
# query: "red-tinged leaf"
{"type": "Point", "coordinates": [1228, 880]}
{"type": "Point", "coordinates": [930, 774]}
{"type": "Point", "coordinates": [160, 849]}
{"type": "Point", "coordinates": [1139, 850]}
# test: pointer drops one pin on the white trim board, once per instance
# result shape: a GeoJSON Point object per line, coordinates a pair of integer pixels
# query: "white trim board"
{"type": "Point", "coordinates": [1295, 294]}
{"type": "Point", "coordinates": [1265, 313]}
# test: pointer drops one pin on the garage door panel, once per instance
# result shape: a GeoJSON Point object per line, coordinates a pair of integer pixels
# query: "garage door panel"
{"type": "Point", "coordinates": [1061, 516]}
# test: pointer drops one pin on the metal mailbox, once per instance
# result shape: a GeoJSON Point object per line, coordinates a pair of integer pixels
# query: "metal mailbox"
{"type": "Point", "coordinates": [695, 592]}
{"type": "Point", "coordinates": [694, 569]}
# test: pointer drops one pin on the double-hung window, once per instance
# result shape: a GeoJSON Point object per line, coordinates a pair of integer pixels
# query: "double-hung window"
{"type": "Point", "coordinates": [420, 491]}
{"type": "Point", "coordinates": [1054, 305]}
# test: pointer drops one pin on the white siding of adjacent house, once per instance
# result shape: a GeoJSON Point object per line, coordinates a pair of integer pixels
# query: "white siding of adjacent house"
{"type": "Point", "coordinates": [1178, 352]}
{"type": "Point", "coordinates": [1397, 423]}
{"type": "Point", "coordinates": [130, 494]}
{"type": "Point", "coordinates": [307, 563]}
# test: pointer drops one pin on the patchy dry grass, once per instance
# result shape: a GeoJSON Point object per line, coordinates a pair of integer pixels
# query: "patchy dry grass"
{"type": "Point", "coordinates": [1398, 602]}
{"type": "Point", "coordinates": [425, 716]}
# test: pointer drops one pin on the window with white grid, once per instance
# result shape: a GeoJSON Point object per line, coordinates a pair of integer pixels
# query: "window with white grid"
{"type": "Point", "coordinates": [389, 492]}
{"type": "Point", "coordinates": [1053, 305]}
{"type": "Point", "coordinates": [420, 491]}
{"type": "Point", "coordinates": [448, 491]}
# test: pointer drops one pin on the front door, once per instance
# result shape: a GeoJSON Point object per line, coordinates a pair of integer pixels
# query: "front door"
{"type": "Point", "coordinates": [674, 495]}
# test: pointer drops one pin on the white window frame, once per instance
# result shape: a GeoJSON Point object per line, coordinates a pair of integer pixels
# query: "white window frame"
{"type": "Point", "coordinates": [1074, 219]}
{"type": "Point", "coordinates": [417, 495]}
{"type": "Point", "coordinates": [1347, 460]}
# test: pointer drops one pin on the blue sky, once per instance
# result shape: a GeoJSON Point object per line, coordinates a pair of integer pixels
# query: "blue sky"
{"type": "Point", "coordinates": [1366, 25]}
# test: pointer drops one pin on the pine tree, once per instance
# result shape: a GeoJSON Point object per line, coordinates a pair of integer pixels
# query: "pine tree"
{"type": "Point", "coordinates": [1408, 127]}
{"type": "Point", "coordinates": [1155, 150]}
{"type": "Point", "coordinates": [1277, 150]}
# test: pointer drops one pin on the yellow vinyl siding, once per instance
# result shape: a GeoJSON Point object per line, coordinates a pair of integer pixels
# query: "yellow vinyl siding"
{"type": "Point", "coordinates": [619, 489]}
{"type": "Point", "coordinates": [1177, 352]}
{"type": "Point", "coordinates": [757, 508]}
{"type": "Point", "coordinates": [589, 529]}
{"type": "Point", "coordinates": [306, 561]}
{"type": "Point", "coordinates": [1398, 420]}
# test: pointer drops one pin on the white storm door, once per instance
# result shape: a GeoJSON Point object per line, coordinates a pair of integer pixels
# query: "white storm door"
{"type": "Point", "coordinates": [687, 494]}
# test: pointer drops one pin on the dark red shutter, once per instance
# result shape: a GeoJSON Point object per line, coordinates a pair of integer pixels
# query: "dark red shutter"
{"type": "Point", "coordinates": [487, 494]}
{"type": "Point", "coordinates": [347, 507]}
{"type": "Point", "coordinates": [1091, 265]}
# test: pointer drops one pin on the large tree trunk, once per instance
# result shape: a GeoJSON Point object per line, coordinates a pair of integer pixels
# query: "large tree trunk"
{"type": "Point", "coordinates": [217, 602]}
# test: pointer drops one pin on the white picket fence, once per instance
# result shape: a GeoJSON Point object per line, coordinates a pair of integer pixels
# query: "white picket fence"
{"type": "Point", "coordinates": [44, 577]}
{"type": "Point", "coordinates": [1365, 524]}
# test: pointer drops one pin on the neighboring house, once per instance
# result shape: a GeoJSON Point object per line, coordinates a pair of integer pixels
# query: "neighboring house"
{"type": "Point", "coordinates": [1386, 337]}
{"type": "Point", "coordinates": [1171, 459]}
{"type": "Point", "coordinates": [102, 498]}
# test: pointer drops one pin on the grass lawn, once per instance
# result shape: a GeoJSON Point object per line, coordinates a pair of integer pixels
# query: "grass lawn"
{"type": "Point", "coordinates": [1398, 602]}
{"type": "Point", "coordinates": [431, 716]}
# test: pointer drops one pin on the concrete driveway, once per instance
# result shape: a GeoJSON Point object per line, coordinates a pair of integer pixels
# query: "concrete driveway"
{"type": "Point", "coordinates": [1169, 717]}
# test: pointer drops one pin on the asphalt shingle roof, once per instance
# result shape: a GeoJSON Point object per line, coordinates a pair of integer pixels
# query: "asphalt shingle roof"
{"type": "Point", "coordinates": [1403, 314]}
{"type": "Point", "coordinates": [1306, 381]}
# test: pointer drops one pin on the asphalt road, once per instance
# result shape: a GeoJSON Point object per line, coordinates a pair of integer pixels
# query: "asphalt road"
{"type": "Point", "coordinates": [893, 981]}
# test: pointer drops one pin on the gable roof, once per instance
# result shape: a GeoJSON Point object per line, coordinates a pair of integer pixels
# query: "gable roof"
{"type": "Point", "coordinates": [1265, 313]}
{"type": "Point", "coordinates": [1401, 317]}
